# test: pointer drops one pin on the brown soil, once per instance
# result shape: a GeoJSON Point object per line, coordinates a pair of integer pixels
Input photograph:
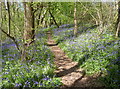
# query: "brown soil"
{"type": "Point", "coordinates": [72, 76]}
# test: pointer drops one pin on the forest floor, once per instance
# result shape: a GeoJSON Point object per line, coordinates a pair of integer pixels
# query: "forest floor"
{"type": "Point", "coordinates": [69, 71]}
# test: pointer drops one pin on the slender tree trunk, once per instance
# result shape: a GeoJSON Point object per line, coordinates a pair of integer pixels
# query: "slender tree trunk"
{"type": "Point", "coordinates": [8, 9]}
{"type": "Point", "coordinates": [49, 7]}
{"type": "Point", "coordinates": [75, 20]}
{"type": "Point", "coordinates": [118, 19]}
{"type": "Point", "coordinates": [53, 18]}
{"type": "Point", "coordinates": [118, 30]}
{"type": "Point", "coordinates": [13, 15]}
{"type": "Point", "coordinates": [100, 15]}
{"type": "Point", "coordinates": [95, 19]}
{"type": "Point", "coordinates": [118, 22]}
{"type": "Point", "coordinates": [39, 16]}
{"type": "Point", "coordinates": [1, 20]}
{"type": "Point", "coordinates": [1, 37]}
{"type": "Point", "coordinates": [43, 16]}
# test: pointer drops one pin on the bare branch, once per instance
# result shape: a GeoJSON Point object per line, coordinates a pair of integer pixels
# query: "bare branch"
{"type": "Point", "coordinates": [11, 38]}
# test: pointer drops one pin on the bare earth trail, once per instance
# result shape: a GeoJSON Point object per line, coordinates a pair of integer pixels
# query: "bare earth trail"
{"type": "Point", "coordinates": [72, 76]}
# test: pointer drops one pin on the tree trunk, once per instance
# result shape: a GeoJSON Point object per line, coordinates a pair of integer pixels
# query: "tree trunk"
{"type": "Point", "coordinates": [118, 22]}
{"type": "Point", "coordinates": [38, 20]}
{"type": "Point", "coordinates": [1, 20]}
{"type": "Point", "coordinates": [118, 30]}
{"type": "Point", "coordinates": [28, 24]}
{"type": "Point", "coordinates": [53, 19]}
{"type": "Point", "coordinates": [94, 17]}
{"type": "Point", "coordinates": [100, 15]}
{"type": "Point", "coordinates": [43, 16]}
{"type": "Point", "coordinates": [28, 35]}
{"type": "Point", "coordinates": [8, 9]}
{"type": "Point", "coordinates": [49, 8]}
{"type": "Point", "coordinates": [75, 20]}
{"type": "Point", "coordinates": [118, 19]}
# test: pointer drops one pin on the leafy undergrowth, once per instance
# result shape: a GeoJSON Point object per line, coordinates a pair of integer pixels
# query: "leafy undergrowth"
{"type": "Point", "coordinates": [38, 71]}
{"type": "Point", "coordinates": [95, 54]}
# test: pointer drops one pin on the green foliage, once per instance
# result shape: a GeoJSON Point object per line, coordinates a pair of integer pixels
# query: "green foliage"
{"type": "Point", "coordinates": [94, 54]}
{"type": "Point", "coordinates": [38, 71]}
{"type": "Point", "coordinates": [112, 77]}
{"type": "Point", "coordinates": [17, 20]}
{"type": "Point", "coordinates": [15, 73]}
{"type": "Point", "coordinates": [49, 28]}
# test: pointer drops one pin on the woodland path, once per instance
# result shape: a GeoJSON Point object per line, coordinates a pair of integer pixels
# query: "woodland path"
{"type": "Point", "coordinates": [72, 76]}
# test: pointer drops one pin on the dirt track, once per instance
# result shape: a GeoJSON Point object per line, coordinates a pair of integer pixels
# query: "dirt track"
{"type": "Point", "coordinates": [69, 71]}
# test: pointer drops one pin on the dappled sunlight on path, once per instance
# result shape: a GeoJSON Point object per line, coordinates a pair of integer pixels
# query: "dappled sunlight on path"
{"type": "Point", "coordinates": [69, 71]}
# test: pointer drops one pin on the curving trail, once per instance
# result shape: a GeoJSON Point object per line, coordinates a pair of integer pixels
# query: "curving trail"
{"type": "Point", "coordinates": [69, 71]}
